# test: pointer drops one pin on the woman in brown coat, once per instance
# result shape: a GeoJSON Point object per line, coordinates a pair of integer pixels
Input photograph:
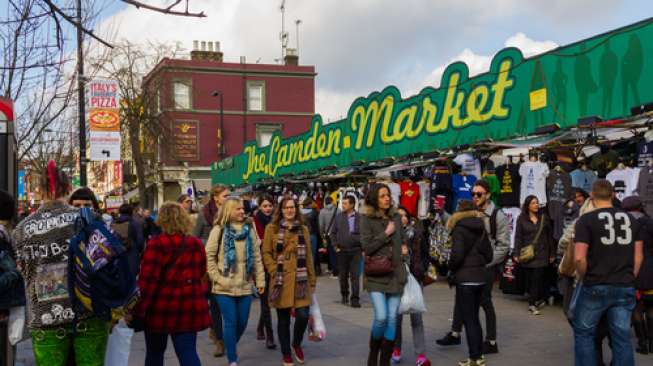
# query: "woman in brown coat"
{"type": "Point", "coordinates": [288, 259]}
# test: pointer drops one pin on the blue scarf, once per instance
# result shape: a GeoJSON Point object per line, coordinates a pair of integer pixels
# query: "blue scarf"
{"type": "Point", "coordinates": [230, 239]}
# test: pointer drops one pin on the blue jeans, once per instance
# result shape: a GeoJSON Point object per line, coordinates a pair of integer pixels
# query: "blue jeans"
{"type": "Point", "coordinates": [594, 301]}
{"type": "Point", "coordinates": [235, 313]}
{"type": "Point", "coordinates": [315, 247]}
{"type": "Point", "coordinates": [185, 348]}
{"type": "Point", "coordinates": [216, 317]}
{"type": "Point", "coordinates": [386, 307]}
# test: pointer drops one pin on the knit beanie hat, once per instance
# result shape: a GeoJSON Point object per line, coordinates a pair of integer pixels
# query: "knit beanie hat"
{"type": "Point", "coordinates": [7, 206]}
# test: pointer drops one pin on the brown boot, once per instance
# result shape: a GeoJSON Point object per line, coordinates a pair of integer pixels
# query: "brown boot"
{"type": "Point", "coordinates": [219, 348]}
{"type": "Point", "coordinates": [386, 352]}
{"type": "Point", "coordinates": [373, 357]}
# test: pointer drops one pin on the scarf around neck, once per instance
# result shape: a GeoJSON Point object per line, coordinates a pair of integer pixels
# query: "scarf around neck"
{"type": "Point", "coordinates": [301, 276]}
{"type": "Point", "coordinates": [231, 236]}
{"type": "Point", "coordinates": [263, 218]}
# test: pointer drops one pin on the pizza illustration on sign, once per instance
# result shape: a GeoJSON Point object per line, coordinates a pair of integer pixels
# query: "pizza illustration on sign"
{"type": "Point", "coordinates": [104, 120]}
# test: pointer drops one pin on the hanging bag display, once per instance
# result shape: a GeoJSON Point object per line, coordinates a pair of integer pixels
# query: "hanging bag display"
{"type": "Point", "coordinates": [527, 253]}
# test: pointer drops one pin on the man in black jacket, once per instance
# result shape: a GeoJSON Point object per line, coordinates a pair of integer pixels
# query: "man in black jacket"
{"type": "Point", "coordinates": [345, 235]}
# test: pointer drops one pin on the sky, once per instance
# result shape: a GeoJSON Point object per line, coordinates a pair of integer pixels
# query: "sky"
{"type": "Point", "coordinates": [362, 46]}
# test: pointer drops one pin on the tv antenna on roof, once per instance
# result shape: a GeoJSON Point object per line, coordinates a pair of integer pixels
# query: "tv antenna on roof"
{"type": "Point", "coordinates": [283, 36]}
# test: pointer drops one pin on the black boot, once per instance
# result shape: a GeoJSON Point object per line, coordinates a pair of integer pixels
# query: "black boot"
{"type": "Point", "coordinates": [642, 341]}
{"type": "Point", "coordinates": [386, 352]}
{"type": "Point", "coordinates": [373, 357]}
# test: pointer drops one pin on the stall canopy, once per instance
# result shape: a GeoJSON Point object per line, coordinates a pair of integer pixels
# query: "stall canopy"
{"type": "Point", "coordinates": [604, 76]}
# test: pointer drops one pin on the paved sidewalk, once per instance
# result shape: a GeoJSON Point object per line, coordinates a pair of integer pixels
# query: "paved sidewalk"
{"type": "Point", "coordinates": [524, 339]}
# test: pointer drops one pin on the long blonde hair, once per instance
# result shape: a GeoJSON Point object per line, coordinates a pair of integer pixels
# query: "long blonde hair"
{"type": "Point", "coordinates": [224, 212]}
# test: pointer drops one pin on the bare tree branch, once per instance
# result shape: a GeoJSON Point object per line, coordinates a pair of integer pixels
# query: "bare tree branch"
{"type": "Point", "coordinates": [74, 22]}
{"type": "Point", "coordinates": [167, 10]}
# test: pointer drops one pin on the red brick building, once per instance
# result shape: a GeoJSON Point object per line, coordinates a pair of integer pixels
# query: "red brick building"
{"type": "Point", "coordinates": [259, 99]}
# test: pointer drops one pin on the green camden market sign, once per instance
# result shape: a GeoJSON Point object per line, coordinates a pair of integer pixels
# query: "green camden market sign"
{"type": "Point", "coordinates": [602, 76]}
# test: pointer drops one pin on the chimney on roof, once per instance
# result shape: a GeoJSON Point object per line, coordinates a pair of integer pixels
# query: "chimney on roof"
{"type": "Point", "coordinates": [203, 50]}
{"type": "Point", "coordinates": [292, 57]}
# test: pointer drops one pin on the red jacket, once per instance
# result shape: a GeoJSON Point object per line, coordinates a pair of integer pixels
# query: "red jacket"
{"type": "Point", "coordinates": [173, 302]}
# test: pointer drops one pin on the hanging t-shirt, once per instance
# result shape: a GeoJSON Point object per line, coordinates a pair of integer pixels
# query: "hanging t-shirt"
{"type": "Point", "coordinates": [558, 186]}
{"type": "Point", "coordinates": [495, 186]}
{"type": "Point", "coordinates": [424, 203]}
{"type": "Point", "coordinates": [645, 189]}
{"type": "Point", "coordinates": [469, 164]}
{"type": "Point", "coordinates": [509, 184]}
{"type": "Point", "coordinates": [644, 153]}
{"type": "Point", "coordinates": [395, 192]}
{"type": "Point", "coordinates": [409, 196]}
{"type": "Point", "coordinates": [624, 181]}
{"type": "Point", "coordinates": [462, 188]}
{"type": "Point", "coordinates": [533, 181]}
{"type": "Point", "coordinates": [583, 179]}
{"type": "Point", "coordinates": [512, 214]}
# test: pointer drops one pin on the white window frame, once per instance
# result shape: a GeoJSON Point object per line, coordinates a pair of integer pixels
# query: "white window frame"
{"type": "Point", "coordinates": [251, 86]}
{"type": "Point", "coordinates": [265, 129]}
{"type": "Point", "coordinates": [176, 98]}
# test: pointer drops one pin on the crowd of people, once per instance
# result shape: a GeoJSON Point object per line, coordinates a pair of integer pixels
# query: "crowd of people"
{"type": "Point", "coordinates": [197, 271]}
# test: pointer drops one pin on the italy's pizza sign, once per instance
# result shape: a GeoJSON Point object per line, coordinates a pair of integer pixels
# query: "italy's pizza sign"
{"type": "Point", "coordinates": [103, 97]}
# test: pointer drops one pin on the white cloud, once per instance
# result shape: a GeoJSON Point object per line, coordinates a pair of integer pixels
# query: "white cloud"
{"type": "Point", "coordinates": [360, 46]}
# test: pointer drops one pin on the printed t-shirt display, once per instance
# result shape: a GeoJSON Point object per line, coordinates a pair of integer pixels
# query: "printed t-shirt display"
{"type": "Point", "coordinates": [558, 186]}
{"type": "Point", "coordinates": [469, 164]}
{"type": "Point", "coordinates": [624, 181]}
{"type": "Point", "coordinates": [533, 181]}
{"type": "Point", "coordinates": [395, 192]}
{"type": "Point", "coordinates": [409, 196]}
{"type": "Point", "coordinates": [512, 214]}
{"type": "Point", "coordinates": [424, 203]}
{"type": "Point", "coordinates": [509, 184]}
{"type": "Point", "coordinates": [644, 153]}
{"type": "Point", "coordinates": [462, 188]}
{"type": "Point", "coordinates": [583, 179]}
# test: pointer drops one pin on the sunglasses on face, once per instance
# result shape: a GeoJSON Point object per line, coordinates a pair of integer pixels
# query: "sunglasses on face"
{"type": "Point", "coordinates": [478, 194]}
{"type": "Point", "coordinates": [85, 205]}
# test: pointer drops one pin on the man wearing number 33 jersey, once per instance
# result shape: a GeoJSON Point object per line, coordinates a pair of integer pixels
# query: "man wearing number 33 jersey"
{"type": "Point", "coordinates": [608, 256]}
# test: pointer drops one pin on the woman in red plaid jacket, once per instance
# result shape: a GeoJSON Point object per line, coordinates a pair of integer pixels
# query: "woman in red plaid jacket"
{"type": "Point", "coordinates": [173, 298]}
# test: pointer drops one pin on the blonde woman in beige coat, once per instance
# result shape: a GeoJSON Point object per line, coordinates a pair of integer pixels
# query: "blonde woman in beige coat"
{"type": "Point", "coordinates": [233, 253]}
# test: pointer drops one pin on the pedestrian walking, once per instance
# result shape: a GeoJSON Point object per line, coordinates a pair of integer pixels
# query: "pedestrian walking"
{"type": "Point", "coordinates": [186, 202]}
{"type": "Point", "coordinates": [202, 229]}
{"type": "Point", "coordinates": [173, 299]}
{"type": "Point", "coordinates": [262, 218]}
{"type": "Point", "coordinates": [288, 259]}
{"type": "Point", "coordinates": [418, 250]}
{"type": "Point", "coordinates": [311, 219]}
{"type": "Point", "coordinates": [471, 252]}
{"type": "Point", "coordinates": [643, 313]}
{"type": "Point", "coordinates": [608, 255]}
{"type": "Point", "coordinates": [326, 220]}
{"type": "Point", "coordinates": [234, 257]}
{"type": "Point", "coordinates": [534, 235]}
{"type": "Point", "coordinates": [12, 287]}
{"type": "Point", "coordinates": [382, 240]}
{"type": "Point", "coordinates": [130, 231]}
{"type": "Point", "coordinates": [496, 226]}
{"type": "Point", "coordinates": [50, 312]}
{"type": "Point", "coordinates": [345, 236]}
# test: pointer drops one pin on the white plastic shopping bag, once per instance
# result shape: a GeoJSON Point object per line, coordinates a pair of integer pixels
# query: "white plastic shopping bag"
{"type": "Point", "coordinates": [119, 344]}
{"type": "Point", "coordinates": [16, 325]}
{"type": "Point", "coordinates": [317, 329]}
{"type": "Point", "coordinates": [412, 300]}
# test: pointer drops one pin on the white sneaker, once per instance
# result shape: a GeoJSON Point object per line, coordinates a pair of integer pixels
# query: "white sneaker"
{"type": "Point", "coordinates": [533, 310]}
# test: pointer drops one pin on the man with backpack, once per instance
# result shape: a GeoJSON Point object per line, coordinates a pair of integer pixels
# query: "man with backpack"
{"type": "Point", "coordinates": [130, 232]}
{"type": "Point", "coordinates": [496, 226]}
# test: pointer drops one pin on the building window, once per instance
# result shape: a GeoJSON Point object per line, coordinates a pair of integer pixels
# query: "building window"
{"type": "Point", "coordinates": [264, 133]}
{"type": "Point", "coordinates": [182, 94]}
{"type": "Point", "coordinates": [256, 95]}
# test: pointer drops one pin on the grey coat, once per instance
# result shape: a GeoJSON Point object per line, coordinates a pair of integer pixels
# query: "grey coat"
{"type": "Point", "coordinates": [374, 241]}
{"type": "Point", "coordinates": [501, 242]}
{"type": "Point", "coordinates": [324, 219]}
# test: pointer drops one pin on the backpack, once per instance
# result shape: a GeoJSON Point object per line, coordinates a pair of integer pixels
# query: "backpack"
{"type": "Point", "coordinates": [100, 279]}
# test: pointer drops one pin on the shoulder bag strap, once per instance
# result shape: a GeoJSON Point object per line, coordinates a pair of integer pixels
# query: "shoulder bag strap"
{"type": "Point", "coordinates": [539, 231]}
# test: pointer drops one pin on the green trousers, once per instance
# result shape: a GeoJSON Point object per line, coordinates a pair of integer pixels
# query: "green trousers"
{"type": "Point", "coordinates": [52, 346]}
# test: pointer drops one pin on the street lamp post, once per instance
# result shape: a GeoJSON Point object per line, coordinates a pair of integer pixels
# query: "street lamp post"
{"type": "Point", "coordinates": [221, 129]}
